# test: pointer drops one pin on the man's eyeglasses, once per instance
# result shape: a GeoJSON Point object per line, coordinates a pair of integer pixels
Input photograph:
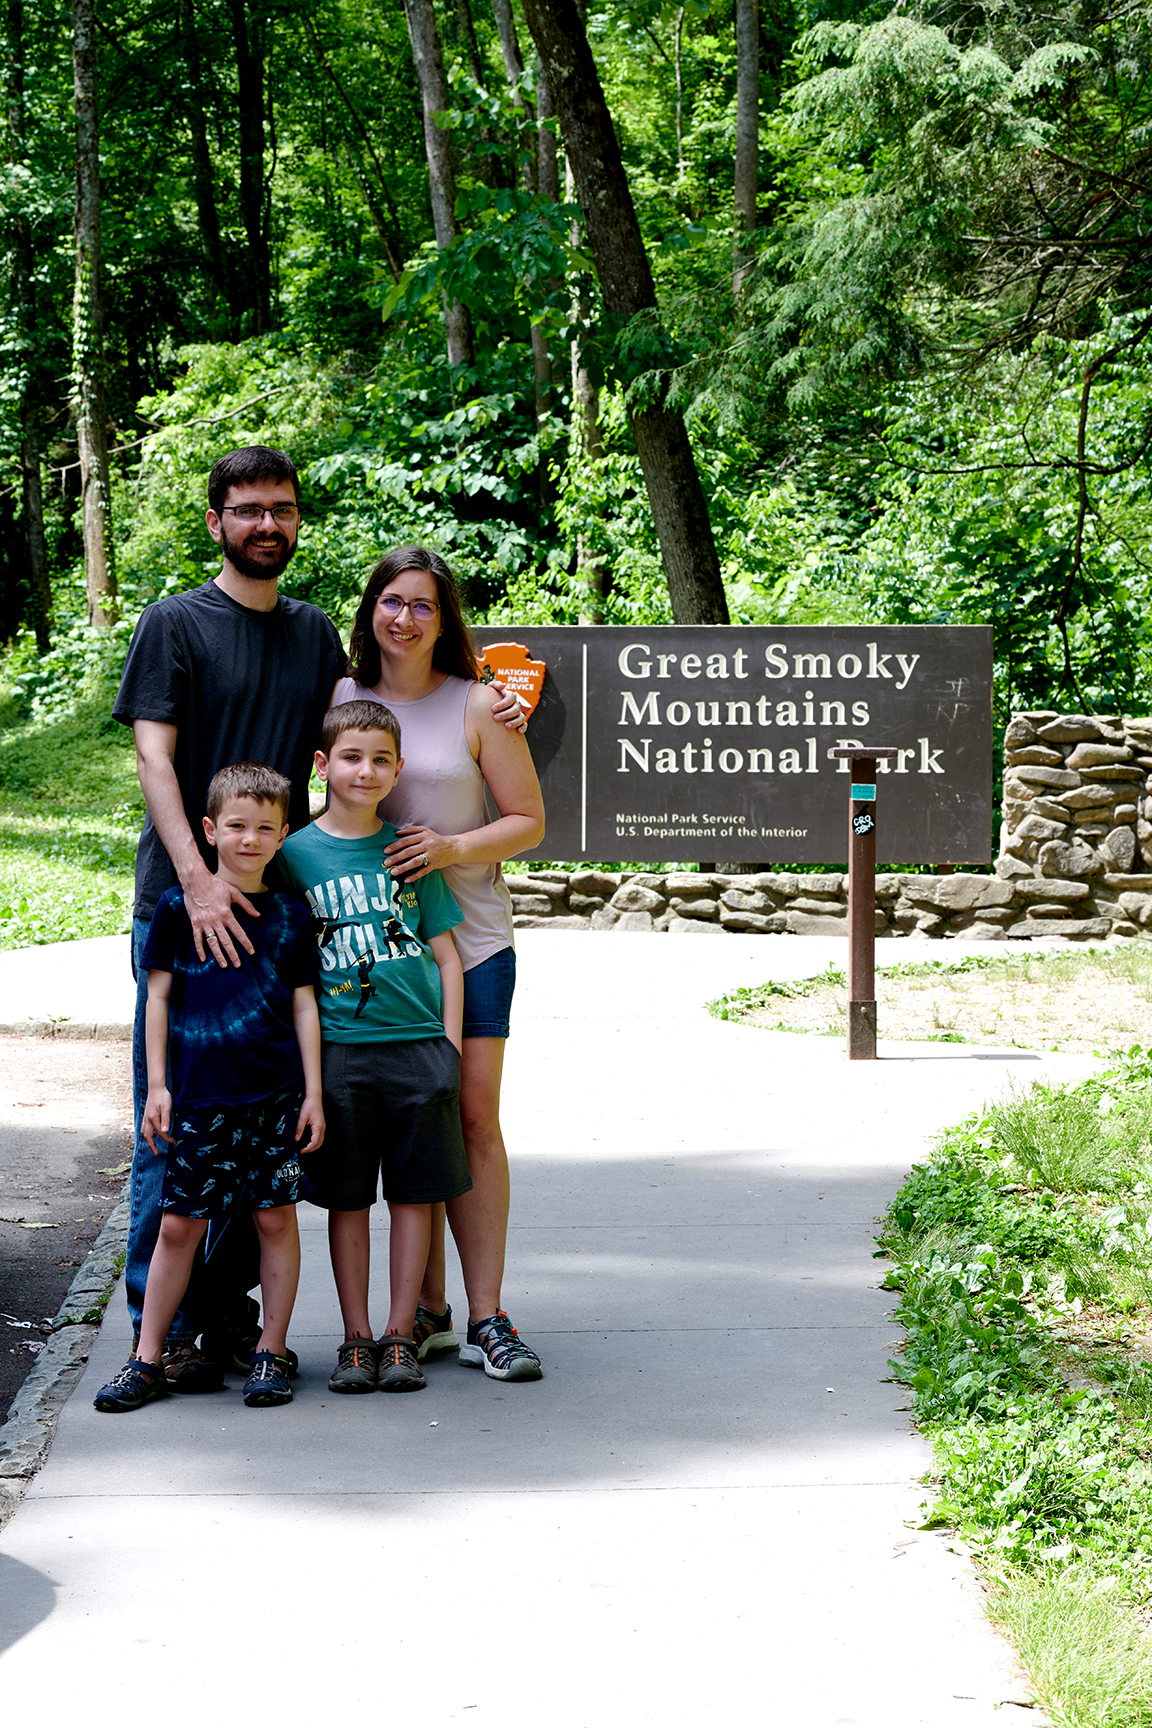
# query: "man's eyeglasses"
{"type": "Point", "coordinates": [422, 610]}
{"type": "Point", "coordinates": [257, 512]}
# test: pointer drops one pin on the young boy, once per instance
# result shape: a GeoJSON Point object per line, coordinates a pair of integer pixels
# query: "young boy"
{"type": "Point", "coordinates": [391, 1000]}
{"type": "Point", "coordinates": [246, 1095]}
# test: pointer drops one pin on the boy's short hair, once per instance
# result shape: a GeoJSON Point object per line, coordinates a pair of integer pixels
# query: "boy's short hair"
{"type": "Point", "coordinates": [358, 717]}
{"type": "Point", "coordinates": [245, 467]}
{"type": "Point", "coordinates": [248, 780]}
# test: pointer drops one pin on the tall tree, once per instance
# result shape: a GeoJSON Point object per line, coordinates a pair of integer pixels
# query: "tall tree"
{"type": "Point", "coordinates": [514, 72]}
{"type": "Point", "coordinates": [248, 49]}
{"type": "Point", "coordinates": [747, 139]}
{"type": "Point", "coordinates": [386, 222]}
{"type": "Point", "coordinates": [24, 317]}
{"type": "Point", "coordinates": [426, 52]}
{"type": "Point", "coordinates": [203, 180]}
{"type": "Point", "coordinates": [548, 181]}
{"type": "Point", "coordinates": [676, 497]}
{"type": "Point", "coordinates": [87, 329]}
{"type": "Point", "coordinates": [466, 36]}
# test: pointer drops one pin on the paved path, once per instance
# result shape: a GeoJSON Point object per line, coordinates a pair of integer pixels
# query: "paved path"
{"type": "Point", "coordinates": [704, 1514]}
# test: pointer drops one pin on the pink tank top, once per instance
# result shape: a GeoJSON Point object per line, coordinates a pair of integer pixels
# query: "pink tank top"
{"type": "Point", "coordinates": [443, 787]}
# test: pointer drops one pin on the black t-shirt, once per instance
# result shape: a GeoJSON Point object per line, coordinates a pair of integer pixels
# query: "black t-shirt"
{"type": "Point", "coordinates": [239, 686]}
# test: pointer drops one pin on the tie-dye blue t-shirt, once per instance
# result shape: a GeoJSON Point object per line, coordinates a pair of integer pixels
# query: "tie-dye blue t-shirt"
{"type": "Point", "coordinates": [231, 1039]}
{"type": "Point", "coordinates": [379, 982]}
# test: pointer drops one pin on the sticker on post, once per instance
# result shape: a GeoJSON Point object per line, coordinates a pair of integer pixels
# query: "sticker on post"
{"type": "Point", "coordinates": [864, 794]}
{"type": "Point", "coordinates": [864, 823]}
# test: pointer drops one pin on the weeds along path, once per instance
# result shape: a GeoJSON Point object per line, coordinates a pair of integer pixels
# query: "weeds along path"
{"type": "Point", "coordinates": [1022, 1252]}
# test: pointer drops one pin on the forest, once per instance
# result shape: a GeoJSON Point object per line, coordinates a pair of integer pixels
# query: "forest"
{"type": "Point", "coordinates": [725, 311]}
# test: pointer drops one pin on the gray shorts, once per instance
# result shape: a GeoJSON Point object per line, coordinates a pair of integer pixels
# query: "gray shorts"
{"type": "Point", "coordinates": [392, 1115]}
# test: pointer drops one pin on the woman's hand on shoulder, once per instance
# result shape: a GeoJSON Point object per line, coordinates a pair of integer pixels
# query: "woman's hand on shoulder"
{"type": "Point", "coordinates": [506, 707]}
{"type": "Point", "coordinates": [418, 850]}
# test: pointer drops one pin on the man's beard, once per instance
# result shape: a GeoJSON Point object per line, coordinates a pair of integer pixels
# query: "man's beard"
{"type": "Point", "coordinates": [262, 569]}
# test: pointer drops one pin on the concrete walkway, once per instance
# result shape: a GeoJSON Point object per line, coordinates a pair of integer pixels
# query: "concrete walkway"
{"type": "Point", "coordinates": [705, 1513]}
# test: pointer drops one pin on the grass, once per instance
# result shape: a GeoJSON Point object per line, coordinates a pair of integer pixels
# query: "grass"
{"type": "Point", "coordinates": [70, 816]}
{"type": "Point", "coordinates": [1022, 1254]}
{"type": "Point", "coordinates": [1085, 1648]}
{"type": "Point", "coordinates": [1066, 998]}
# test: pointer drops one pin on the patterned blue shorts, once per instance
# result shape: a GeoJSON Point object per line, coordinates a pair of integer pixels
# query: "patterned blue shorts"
{"type": "Point", "coordinates": [234, 1157]}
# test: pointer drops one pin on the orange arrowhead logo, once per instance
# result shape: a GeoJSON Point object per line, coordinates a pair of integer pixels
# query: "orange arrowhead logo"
{"type": "Point", "coordinates": [509, 662]}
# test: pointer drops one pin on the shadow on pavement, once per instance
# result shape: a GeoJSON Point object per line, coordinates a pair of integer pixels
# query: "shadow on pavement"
{"type": "Point", "coordinates": [26, 1598]}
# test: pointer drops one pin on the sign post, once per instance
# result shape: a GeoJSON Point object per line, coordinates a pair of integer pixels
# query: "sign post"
{"type": "Point", "coordinates": [862, 897]}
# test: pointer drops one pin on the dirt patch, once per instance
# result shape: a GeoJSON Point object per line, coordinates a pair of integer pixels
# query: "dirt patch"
{"type": "Point", "coordinates": [1079, 1000]}
{"type": "Point", "coordinates": [65, 1140]}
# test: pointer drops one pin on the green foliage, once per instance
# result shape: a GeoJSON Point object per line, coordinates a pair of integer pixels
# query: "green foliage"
{"type": "Point", "coordinates": [996, 1244]}
{"type": "Point", "coordinates": [70, 816]}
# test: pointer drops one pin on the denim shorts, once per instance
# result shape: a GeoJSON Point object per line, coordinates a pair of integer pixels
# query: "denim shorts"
{"type": "Point", "coordinates": [488, 995]}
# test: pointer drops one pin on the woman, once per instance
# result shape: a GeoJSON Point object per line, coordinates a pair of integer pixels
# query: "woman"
{"type": "Point", "coordinates": [411, 650]}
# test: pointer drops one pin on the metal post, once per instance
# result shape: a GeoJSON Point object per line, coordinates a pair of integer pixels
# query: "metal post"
{"type": "Point", "coordinates": [862, 899]}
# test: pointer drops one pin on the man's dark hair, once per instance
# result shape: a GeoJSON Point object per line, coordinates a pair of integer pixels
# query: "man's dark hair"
{"type": "Point", "coordinates": [245, 467]}
{"type": "Point", "coordinates": [360, 716]}
{"type": "Point", "coordinates": [253, 780]}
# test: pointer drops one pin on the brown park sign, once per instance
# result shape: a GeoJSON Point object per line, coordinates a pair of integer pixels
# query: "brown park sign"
{"type": "Point", "coordinates": [705, 743]}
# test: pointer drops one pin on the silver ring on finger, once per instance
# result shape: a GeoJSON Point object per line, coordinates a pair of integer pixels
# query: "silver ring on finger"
{"type": "Point", "coordinates": [424, 859]}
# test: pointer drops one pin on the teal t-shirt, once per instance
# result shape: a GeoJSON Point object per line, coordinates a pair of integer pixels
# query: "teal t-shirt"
{"type": "Point", "coordinates": [378, 981]}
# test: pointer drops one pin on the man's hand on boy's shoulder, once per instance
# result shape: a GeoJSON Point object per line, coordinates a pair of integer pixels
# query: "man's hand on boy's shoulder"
{"type": "Point", "coordinates": [157, 1118]}
{"type": "Point", "coordinates": [310, 1125]}
{"type": "Point", "coordinates": [208, 903]}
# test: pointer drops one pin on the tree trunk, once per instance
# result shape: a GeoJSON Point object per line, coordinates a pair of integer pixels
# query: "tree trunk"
{"type": "Point", "coordinates": [595, 577]}
{"type": "Point", "coordinates": [548, 167]}
{"type": "Point", "coordinates": [527, 175]}
{"type": "Point", "coordinates": [514, 71]}
{"type": "Point", "coordinates": [35, 545]}
{"type": "Point", "coordinates": [677, 42]}
{"type": "Point", "coordinates": [548, 182]}
{"type": "Point", "coordinates": [466, 32]}
{"type": "Point", "coordinates": [425, 40]}
{"type": "Point", "coordinates": [250, 117]}
{"type": "Point", "coordinates": [587, 438]}
{"type": "Point", "coordinates": [24, 310]}
{"type": "Point", "coordinates": [679, 510]}
{"type": "Point", "coordinates": [203, 180]}
{"type": "Point", "coordinates": [87, 354]}
{"type": "Point", "coordinates": [747, 139]}
{"type": "Point", "coordinates": [387, 225]}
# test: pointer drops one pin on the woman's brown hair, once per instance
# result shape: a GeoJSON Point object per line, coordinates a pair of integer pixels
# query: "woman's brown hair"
{"type": "Point", "coordinates": [454, 652]}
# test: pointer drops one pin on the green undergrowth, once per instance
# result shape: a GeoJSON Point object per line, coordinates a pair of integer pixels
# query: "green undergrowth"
{"type": "Point", "coordinates": [70, 816]}
{"type": "Point", "coordinates": [1022, 1254]}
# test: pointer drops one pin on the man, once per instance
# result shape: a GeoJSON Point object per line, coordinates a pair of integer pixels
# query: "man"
{"type": "Point", "coordinates": [232, 671]}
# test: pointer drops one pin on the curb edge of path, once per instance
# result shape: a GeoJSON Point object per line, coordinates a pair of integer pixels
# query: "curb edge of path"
{"type": "Point", "coordinates": [31, 1425]}
{"type": "Point", "coordinates": [118, 1031]}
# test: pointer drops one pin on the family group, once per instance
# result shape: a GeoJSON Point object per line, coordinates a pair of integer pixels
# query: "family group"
{"type": "Point", "coordinates": [322, 1006]}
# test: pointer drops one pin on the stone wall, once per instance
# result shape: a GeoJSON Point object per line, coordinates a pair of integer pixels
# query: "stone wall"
{"type": "Point", "coordinates": [1075, 858]}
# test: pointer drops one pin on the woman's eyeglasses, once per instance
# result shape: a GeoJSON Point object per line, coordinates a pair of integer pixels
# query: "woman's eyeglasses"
{"type": "Point", "coordinates": [421, 610]}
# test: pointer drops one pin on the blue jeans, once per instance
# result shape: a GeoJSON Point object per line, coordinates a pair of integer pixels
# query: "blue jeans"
{"type": "Point", "coordinates": [147, 1184]}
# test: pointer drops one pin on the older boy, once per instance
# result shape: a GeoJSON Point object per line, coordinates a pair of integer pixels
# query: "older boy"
{"type": "Point", "coordinates": [391, 999]}
{"type": "Point", "coordinates": [245, 1060]}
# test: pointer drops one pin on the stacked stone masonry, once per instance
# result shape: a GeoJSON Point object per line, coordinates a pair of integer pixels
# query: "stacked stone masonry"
{"type": "Point", "coordinates": [1075, 861]}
